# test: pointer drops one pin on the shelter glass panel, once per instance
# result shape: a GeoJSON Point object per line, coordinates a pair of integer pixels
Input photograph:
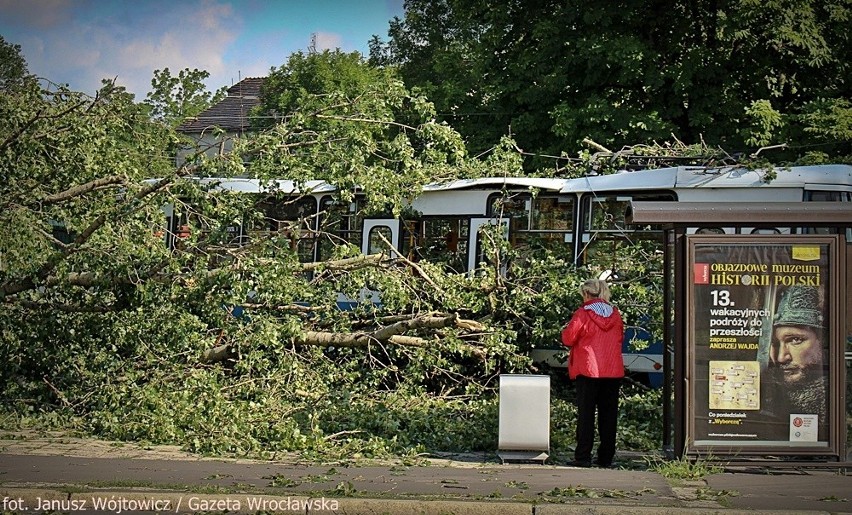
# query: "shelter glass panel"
{"type": "Point", "coordinates": [761, 336]}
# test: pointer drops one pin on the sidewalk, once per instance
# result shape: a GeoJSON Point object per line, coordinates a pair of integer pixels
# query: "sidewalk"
{"type": "Point", "coordinates": [72, 475]}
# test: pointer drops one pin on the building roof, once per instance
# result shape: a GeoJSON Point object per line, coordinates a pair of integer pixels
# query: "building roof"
{"type": "Point", "coordinates": [231, 113]}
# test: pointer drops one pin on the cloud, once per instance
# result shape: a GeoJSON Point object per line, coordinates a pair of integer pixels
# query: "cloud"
{"type": "Point", "coordinates": [327, 41]}
{"type": "Point", "coordinates": [39, 14]}
{"type": "Point", "coordinates": [129, 44]}
{"type": "Point", "coordinates": [81, 42]}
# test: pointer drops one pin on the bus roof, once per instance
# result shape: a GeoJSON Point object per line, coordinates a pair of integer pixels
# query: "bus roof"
{"type": "Point", "coordinates": [707, 177]}
{"type": "Point", "coordinates": [491, 182]}
{"type": "Point", "coordinates": [258, 186]}
{"type": "Point", "coordinates": [656, 179]}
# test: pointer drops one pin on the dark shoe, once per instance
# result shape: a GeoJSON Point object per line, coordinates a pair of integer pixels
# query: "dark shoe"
{"type": "Point", "coordinates": [583, 464]}
{"type": "Point", "coordinates": [605, 466]}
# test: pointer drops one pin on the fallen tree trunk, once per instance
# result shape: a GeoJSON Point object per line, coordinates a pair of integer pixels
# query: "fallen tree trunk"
{"type": "Point", "coordinates": [391, 334]}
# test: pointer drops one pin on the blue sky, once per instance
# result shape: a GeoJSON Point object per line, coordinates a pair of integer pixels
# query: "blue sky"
{"type": "Point", "coordinates": [80, 42]}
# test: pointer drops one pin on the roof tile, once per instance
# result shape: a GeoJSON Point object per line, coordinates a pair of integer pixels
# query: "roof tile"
{"type": "Point", "coordinates": [231, 113]}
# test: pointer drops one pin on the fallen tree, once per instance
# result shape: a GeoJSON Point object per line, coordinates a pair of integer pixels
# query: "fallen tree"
{"type": "Point", "coordinates": [391, 334]}
{"type": "Point", "coordinates": [109, 330]}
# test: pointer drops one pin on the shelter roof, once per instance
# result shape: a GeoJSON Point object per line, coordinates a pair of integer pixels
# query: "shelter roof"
{"type": "Point", "coordinates": [694, 214]}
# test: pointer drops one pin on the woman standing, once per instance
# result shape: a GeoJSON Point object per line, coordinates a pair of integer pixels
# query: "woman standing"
{"type": "Point", "coordinates": [594, 337]}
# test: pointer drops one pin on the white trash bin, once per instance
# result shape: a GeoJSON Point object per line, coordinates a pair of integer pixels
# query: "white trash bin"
{"type": "Point", "coordinates": [524, 433]}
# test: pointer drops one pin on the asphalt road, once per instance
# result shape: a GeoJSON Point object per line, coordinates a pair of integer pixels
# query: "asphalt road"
{"type": "Point", "coordinates": [70, 475]}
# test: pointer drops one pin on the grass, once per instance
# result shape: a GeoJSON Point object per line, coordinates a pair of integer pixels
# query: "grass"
{"type": "Point", "coordinates": [684, 468]}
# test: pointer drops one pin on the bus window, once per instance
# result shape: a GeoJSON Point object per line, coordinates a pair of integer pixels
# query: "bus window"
{"type": "Point", "coordinates": [60, 232]}
{"type": "Point", "coordinates": [376, 244]}
{"type": "Point", "coordinates": [188, 227]}
{"type": "Point", "coordinates": [536, 222]}
{"type": "Point", "coordinates": [514, 207]}
{"type": "Point", "coordinates": [340, 223]}
{"type": "Point", "coordinates": [607, 214]}
{"type": "Point", "coordinates": [290, 222]}
{"type": "Point", "coordinates": [235, 235]}
{"type": "Point", "coordinates": [480, 229]}
{"type": "Point", "coordinates": [826, 196]}
{"type": "Point", "coordinates": [605, 228]}
{"type": "Point", "coordinates": [710, 230]}
{"type": "Point", "coordinates": [183, 224]}
{"type": "Point", "coordinates": [439, 240]}
{"type": "Point", "coordinates": [552, 214]}
{"type": "Point", "coordinates": [411, 244]}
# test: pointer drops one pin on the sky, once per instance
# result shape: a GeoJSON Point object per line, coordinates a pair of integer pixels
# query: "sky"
{"type": "Point", "coordinates": [80, 42]}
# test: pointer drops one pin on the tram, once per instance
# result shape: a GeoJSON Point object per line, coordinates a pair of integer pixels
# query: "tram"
{"type": "Point", "coordinates": [583, 218]}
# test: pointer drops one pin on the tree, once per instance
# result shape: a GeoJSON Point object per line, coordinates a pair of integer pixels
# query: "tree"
{"type": "Point", "coordinates": [240, 347]}
{"type": "Point", "coordinates": [108, 329]}
{"type": "Point", "coordinates": [321, 97]}
{"type": "Point", "coordinates": [13, 67]}
{"type": "Point", "coordinates": [737, 74]}
{"type": "Point", "coordinates": [174, 99]}
{"type": "Point", "coordinates": [438, 49]}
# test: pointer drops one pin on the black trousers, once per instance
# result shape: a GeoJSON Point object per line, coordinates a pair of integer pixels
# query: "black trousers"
{"type": "Point", "coordinates": [601, 395]}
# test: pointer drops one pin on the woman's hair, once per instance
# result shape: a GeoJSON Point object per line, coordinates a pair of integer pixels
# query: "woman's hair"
{"type": "Point", "coordinates": [596, 289]}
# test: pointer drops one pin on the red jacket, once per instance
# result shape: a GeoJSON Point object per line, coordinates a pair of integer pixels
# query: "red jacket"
{"type": "Point", "coordinates": [594, 336]}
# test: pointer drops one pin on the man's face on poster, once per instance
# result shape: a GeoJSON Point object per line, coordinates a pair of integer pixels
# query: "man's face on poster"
{"type": "Point", "coordinates": [797, 353]}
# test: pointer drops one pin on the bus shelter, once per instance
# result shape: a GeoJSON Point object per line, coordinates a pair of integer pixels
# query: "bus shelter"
{"type": "Point", "coordinates": [758, 330]}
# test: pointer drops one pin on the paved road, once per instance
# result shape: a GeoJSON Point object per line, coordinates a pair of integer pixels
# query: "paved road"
{"type": "Point", "coordinates": [74, 475]}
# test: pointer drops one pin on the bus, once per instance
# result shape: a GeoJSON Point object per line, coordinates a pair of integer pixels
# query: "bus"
{"type": "Point", "coordinates": [581, 218]}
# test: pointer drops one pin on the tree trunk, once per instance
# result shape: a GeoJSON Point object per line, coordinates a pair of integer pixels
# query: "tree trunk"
{"type": "Point", "coordinates": [386, 335]}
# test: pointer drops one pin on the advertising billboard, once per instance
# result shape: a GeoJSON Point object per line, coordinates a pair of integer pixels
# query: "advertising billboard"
{"type": "Point", "coordinates": [762, 343]}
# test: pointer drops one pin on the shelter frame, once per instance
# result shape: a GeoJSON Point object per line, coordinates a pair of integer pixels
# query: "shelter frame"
{"type": "Point", "coordinates": [676, 218]}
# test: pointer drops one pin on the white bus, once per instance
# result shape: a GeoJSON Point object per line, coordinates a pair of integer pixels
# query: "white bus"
{"type": "Point", "coordinates": [584, 218]}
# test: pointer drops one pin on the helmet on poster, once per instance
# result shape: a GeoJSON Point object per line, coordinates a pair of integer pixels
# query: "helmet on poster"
{"type": "Point", "coordinates": [799, 305]}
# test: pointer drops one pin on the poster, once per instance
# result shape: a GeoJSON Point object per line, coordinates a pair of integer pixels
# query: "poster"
{"type": "Point", "coordinates": [760, 334]}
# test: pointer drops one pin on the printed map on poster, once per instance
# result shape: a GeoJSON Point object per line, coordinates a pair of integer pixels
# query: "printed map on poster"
{"type": "Point", "coordinates": [734, 385]}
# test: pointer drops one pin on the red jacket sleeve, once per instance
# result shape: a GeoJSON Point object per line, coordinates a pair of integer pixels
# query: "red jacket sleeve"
{"type": "Point", "coordinates": [575, 329]}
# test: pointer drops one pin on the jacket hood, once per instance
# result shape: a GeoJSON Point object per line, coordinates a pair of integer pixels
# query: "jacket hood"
{"type": "Point", "coordinates": [601, 312]}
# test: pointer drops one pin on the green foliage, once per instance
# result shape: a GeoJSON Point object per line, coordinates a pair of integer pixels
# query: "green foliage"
{"type": "Point", "coordinates": [829, 119]}
{"type": "Point", "coordinates": [764, 121]}
{"type": "Point", "coordinates": [640, 423]}
{"type": "Point", "coordinates": [174, 99]}
{"type": "Point", "coordinates": [13, 67]}
{"type": "Point", "coordinates": [381, 137]}
{"type": "Point", "coordinates": [552, 73]}
{"type": "Point", "coordinates": [108, 330]}
{"type": "Point", "coordinates": [685, 468]}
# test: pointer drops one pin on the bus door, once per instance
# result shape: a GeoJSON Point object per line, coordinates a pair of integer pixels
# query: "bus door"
{"type": "Point", "coordinates": [476, 253]}
{"type": "Point", "coordinates": [375, 231]}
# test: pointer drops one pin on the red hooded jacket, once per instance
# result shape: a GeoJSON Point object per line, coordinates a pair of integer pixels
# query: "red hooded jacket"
{"type": "Point", "coordinates": [594, 336]}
